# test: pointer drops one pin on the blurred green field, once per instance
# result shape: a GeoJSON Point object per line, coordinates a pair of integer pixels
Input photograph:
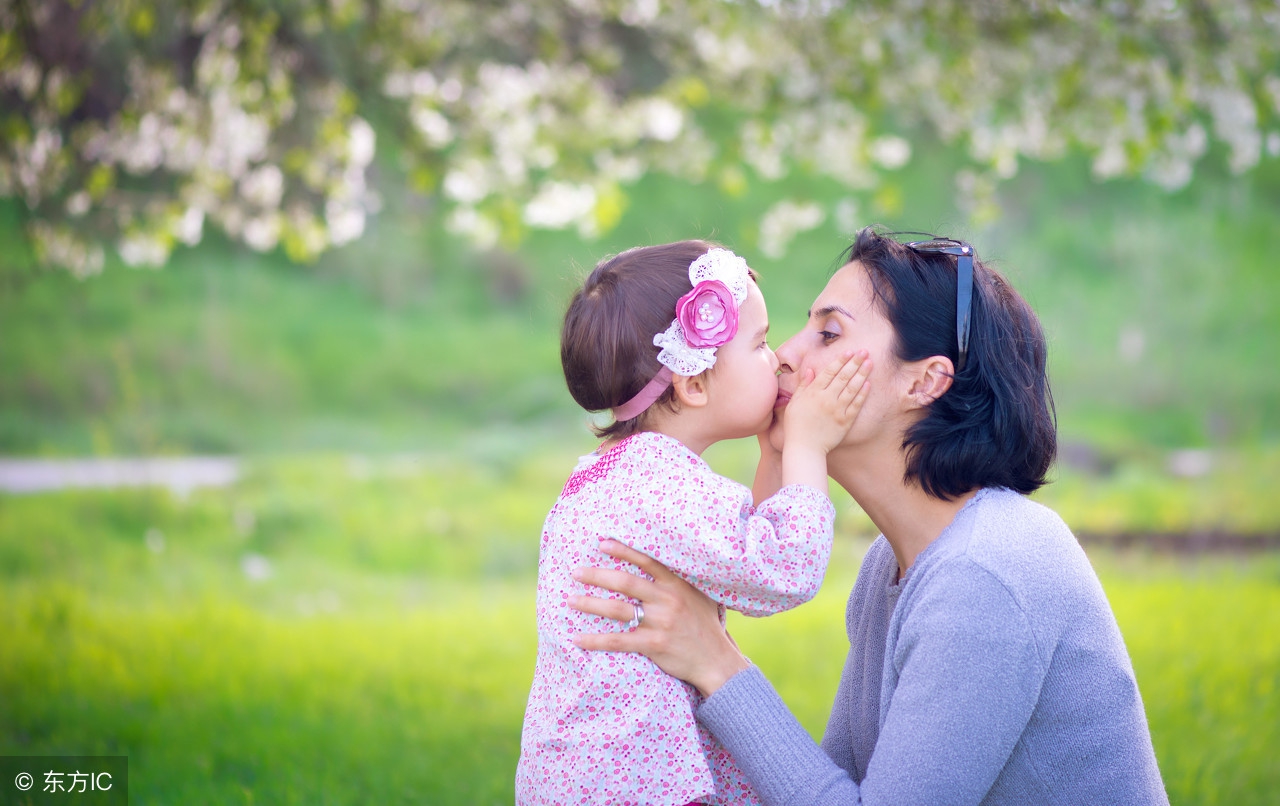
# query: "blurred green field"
{"type": "Point", "coordinates": [341, 630]}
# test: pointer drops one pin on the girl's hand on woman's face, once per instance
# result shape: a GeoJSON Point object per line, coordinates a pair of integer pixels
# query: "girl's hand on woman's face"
{"type": "Point", "coordinates": [681, 630]}
{"type": "Point", "coordinates": [825, 404]}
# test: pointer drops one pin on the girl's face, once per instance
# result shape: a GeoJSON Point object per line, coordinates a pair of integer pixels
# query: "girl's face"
{"type": "Point", "coordinates": [744, 382]}
{"type": "Point", "coordinates": [845, 318]}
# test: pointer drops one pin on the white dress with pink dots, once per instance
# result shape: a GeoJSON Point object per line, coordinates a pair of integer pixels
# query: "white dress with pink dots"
{"type": "Point", "coordinates": [612, 728]}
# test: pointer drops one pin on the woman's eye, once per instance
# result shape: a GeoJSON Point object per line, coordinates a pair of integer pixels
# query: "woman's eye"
{"type": "Point", "coordinates": [828, 336]}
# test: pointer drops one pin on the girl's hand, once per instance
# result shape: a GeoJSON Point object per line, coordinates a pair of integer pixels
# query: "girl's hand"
{"type": "Point", "coordinates": [823, 408]}
{"type": "Point", "coordinates": [681, 630]}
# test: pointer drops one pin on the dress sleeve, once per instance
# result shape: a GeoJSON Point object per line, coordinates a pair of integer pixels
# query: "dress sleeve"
{"type": "Point", "coordinates": [968, 678]}
{"type": "Point", "coordinates": [755, 561]}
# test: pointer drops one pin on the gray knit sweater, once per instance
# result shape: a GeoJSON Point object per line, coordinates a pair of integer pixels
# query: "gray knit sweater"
{"type": "Point", "coordinates": [993, 674]}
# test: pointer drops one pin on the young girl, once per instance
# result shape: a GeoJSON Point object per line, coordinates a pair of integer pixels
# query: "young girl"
{"type": "Point", "coordinates": [671, 339]}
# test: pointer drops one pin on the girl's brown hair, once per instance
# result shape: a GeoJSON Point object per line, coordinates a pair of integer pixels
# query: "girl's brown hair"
{"type": "Point", "coordinates": [606, 343]}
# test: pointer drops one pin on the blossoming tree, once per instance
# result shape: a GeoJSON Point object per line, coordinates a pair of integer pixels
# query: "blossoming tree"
{"type": "Point", "coordinates": [137, 125]}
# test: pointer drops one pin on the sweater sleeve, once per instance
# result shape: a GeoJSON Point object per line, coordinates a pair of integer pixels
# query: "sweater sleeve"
{"type": "Point", "coordinates": [782, 761]}
{"type": "Point", "coordinates": [757, 561]}
{"type": "Point", "coordinates": [968, 677]}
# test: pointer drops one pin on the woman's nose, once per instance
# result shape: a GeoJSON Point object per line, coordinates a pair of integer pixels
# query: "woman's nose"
{"type": "Point", "coordinates": [786, 355]}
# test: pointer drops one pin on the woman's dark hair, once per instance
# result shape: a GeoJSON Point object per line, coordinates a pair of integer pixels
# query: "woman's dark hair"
{"type": "Point", "coordinates": [996, 425]}
{"type": "Point", "coordinates": [606, 343]}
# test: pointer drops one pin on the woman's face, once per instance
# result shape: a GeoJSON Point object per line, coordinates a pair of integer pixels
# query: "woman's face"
{"type": "Point", "coordinates": [845, 318]}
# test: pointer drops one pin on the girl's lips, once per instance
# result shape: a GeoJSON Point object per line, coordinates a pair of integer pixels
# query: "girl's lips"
{"type": "Point", "coordinates": [783, 399]}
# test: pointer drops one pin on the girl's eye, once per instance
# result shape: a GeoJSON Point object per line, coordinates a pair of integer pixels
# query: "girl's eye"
{"type": "Point", "coordinates": [828, 336]}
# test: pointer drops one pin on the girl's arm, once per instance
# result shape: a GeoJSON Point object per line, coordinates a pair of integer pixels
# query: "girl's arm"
{"type": "Point", "coordinates": [703, 527]}
{"type": "Point", "coordinates": [763, 560]}
{"type": "Point", "coordinates": [768, 478]}
{"type": "Point", "coordinates": [755, 560]}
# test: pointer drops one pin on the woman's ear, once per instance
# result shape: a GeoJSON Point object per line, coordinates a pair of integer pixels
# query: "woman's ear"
{"type": "Point", "coordinates": [931, 379]}
{"type": "Point", "coordinates": [691, 390]}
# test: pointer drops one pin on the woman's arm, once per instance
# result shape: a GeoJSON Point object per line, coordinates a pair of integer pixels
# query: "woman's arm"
{"type": "Point", "coordinates": [967, 667]}
{"type": "Point", "coordinates": [681, 632]}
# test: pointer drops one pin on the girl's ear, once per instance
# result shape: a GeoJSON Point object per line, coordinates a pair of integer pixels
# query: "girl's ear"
{"type": "Point", "coordinates": [931, 378]}
{"type": "Point", "coordinates": [691, 391]}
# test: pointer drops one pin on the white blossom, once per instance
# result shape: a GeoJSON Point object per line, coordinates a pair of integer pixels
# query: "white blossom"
{"type": "Point", "coordinates": [433, 126]}
{"type": "Point", "coordinates": [560, 204]}
{"type": "Point", "coordinates": [480, 231]}
{"type": "Point", "coordinates": [142, 249]}
{"type": "Point", "coordinates": [663, 120]}
{"type": "Point", "coordinates": [263, 187]}
{"type": "Point", "coordinates": [783, 221]}
{"type": "Point", "coordinates": [346, 223]}
{"type": "Point", "coordinates": [361, 141]}
{"type": "Point", "coordinates": [190, 227]}
{"type": "Point", "coordinates": [541, 123]}
{"type": "Point", "coordinates": [890, 152]}
{"type": "Point", "coordinates": [262, 233]}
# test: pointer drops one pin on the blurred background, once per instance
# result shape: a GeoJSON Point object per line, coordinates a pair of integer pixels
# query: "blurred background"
{"type": "Point", "coordinates": [280, 289]}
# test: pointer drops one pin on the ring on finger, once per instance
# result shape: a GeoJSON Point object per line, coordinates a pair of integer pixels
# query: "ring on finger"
{"type": "Point", "coordinates": [637, 616]}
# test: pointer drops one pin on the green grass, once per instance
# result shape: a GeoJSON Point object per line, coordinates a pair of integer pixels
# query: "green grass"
{"type": "Point", "coordinates": [215, 702]}
{"type": "Point", "coordinates": [387, 655]}
{"type": "Point", "coordinates": [218, 702]}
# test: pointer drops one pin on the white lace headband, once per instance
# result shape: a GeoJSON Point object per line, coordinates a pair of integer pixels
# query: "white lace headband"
{"type": "Point", "coordinates": [706, 318]}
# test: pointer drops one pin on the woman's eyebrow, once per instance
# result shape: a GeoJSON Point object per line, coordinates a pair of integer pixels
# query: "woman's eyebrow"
{"type": "Point", "coordinates": [827, 310]}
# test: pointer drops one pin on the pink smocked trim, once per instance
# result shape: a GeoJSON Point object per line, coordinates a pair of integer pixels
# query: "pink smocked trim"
{"type": "Point", "coordinates": [595, 471]}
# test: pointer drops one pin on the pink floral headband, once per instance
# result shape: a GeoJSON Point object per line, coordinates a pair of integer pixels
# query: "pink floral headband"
{"type": "Point", "coordinates": [706, 318]}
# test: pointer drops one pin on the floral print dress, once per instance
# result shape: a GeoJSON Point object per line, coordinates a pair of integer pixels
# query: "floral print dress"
{"type": "Point", "coordinates": [612, 728]}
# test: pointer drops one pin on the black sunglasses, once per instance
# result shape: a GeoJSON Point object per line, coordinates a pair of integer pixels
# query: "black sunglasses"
{"type": "Point", "coordinates": [964, 282]}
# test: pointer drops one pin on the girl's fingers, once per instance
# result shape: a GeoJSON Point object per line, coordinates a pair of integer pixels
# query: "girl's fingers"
{"type": "Point", "coordinates": [858, 378]}
{"type": "Point", "coordinates": [859, 398]}
{"type": "Point", "coordinates": [831, 371]}
{"type": "Point", "coordinates": [851, 367]}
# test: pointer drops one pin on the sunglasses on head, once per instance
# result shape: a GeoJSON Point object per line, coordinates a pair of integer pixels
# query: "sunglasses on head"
{"type": "Point", "coordinates": [936, 245]}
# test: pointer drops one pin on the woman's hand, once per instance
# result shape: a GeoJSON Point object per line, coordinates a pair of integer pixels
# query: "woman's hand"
{"type": "Point", "coordinates": [681, 630]}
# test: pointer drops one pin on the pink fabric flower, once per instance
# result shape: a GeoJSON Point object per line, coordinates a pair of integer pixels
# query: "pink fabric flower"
{"type": "Point", "coordinates": [707, 314]}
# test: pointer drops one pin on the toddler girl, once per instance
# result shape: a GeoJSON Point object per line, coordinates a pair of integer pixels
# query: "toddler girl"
{"type": "Point", "coordinates": [612, 728]}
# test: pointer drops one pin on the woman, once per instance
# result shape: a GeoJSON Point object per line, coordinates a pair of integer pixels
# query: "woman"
{"type": "Point", "coordinates": [985, 665]}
